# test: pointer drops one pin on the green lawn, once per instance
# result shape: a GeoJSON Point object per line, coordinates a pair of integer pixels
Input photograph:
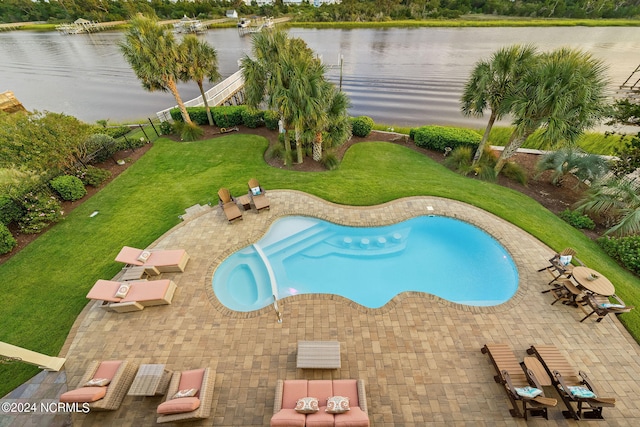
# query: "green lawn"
{"type": "Point", "coordinates": [45, 284]}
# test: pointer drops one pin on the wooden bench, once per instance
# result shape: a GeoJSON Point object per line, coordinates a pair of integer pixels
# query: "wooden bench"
{"type": "Point", "coordinates": [318, 355]}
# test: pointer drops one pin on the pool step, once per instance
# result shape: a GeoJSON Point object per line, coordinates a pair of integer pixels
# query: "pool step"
{"type": "Point", "coordinates": [303, 239]}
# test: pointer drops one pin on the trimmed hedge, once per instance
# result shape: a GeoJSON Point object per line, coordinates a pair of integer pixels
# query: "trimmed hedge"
{"type": "Point", "coordinates": [439, 137]}
{"type": "Point", "coordinates": [362, 125]}
{"type": "Point", "coordinates": [7, 241]}
{"type": "Point", "coordinates": [271, 119]}
{"type": "Point", "coordinates": [252, 119]}
{"type": "Point", "coordinates": [227, 116]}
{"type": "Point", "coordinates": [626, 250]}
{"type": "Point", "coordinates": [68, 187]}
{"type": "Point", "coordinates": [223, 116]}
{"type": "Point", "coordinates": [10, 211]}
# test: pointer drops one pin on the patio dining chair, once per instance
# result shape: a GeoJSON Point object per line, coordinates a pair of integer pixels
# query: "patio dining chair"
{"type": "Point", "coordinates": [602, 305]}
{"type": "Point", "coordinates": [560, 264]}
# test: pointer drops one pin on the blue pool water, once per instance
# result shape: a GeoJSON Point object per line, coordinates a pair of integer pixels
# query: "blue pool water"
{"type": "Point", "coordinates": [438, 255]}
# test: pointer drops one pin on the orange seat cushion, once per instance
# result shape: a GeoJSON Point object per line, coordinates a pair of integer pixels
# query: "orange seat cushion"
{"type": "Point", "coordinates": [84, 394]}
{"type": "Point", "coordinates": [320, 418]}
{"type": "Point", "coordinates": [294, 390]}
{"type": "Point", "coordinates": [346, 388]}
{"type": "Point", "coordinates": [178, 406]}
{"type": "Point", "coordinates": [288, 418]}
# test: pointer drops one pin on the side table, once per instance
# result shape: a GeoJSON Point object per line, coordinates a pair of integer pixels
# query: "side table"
{"type": "Point", "coordinates": [245, 201]}
{"type": "Point", "coordinates": [150, 380]}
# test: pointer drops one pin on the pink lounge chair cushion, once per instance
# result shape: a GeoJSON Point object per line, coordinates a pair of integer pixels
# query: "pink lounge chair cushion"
{"type": "Point", "coordinates": [147, 291]}
{"type": "Point", "coordinates": [320, 418]}
{"type": "Point", "coordinates": [84, 394]}
{"type": "Point", "coordinates": [129, 255]}
{"type": "Point", "coordinates": [346, 388]}
{"type": "Point", "coordinates": [107, 369]}
{"type": "Point", "coordinates": [288, 418]}
{"type": "Point", "coordinates": [178, 406]}
{"type": "Point", "coordinates": [293, 390]}
{"type": "Point", "coordinates": [105, 290]}
{"type": "Point", "coordinates": [356, 417]}
{"type": "Point", "coordinates": [191, 379]}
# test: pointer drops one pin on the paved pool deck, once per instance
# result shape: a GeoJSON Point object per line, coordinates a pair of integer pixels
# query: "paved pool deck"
{"type": "Point", "coordinates": [418, 355]}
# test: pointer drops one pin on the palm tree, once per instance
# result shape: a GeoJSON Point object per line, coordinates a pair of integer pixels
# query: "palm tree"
{"type": "Point", "coordinates": [277, 76]}
{"type": "Point", "coordinates": [617, 199]}
{"type": "Point", "coordinates": [201, 61]}
{"type": "Point", "coordinates": [563, 92]}
{"type": "Point", "coordinates": [337, 128]}
{"type": "Point", "coordinates": [491, 82]}
{"type": "Point", "coordinates": [575, 161]}
{"type": "Point", "coordinates": [154, 56]}
{"type": "Point", "coordinates": [262, 75]}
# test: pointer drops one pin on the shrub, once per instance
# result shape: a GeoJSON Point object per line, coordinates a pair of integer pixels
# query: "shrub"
{"type": "Point", "coordinates": [176, 115]}
{"type": "Point", "coordinates": [104, 146]}
{"type": "Point", "coordinates": [361, 126]}
{"type": "Point", "coordinates": [115, 131]}
{"type": "Point", "coordinates": [515, 172]}
{"type": "Point", "coordinates": [625, 250]}
{"type": "Point", "coordinates": [439, 137]}
{"type": "Point", "coordinates": [271, 119]}
{"type": "Point", "coordinates": [577, 219]}
{"type": "Point", "coordinates": [330, 160]}
{"type": "Point", "coordinates": [68, 187]}
{"type": "Point", "coordinates": [92, 175]}
{"type": "Point", "coordinates": [166, 128]}
{"type": "Point", "coordinates": [40, 211]}
{"type": "Point", "coordinates": [10, 211]}
{"type": "Point", "coordinates": [190, 132]}
{"type": "Point", "coordinates": [276, 152]}
{"type": "Point", "coordinates": [227, 116]}
{"type": "Point", "coordinates": [459, 160]}
{"type": "Point", "coordinates": [252, 119]}
{"type": "Point", "coordinates": [7, 241]}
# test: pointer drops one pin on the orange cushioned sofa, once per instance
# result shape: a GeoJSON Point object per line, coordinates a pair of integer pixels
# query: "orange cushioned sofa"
{"type": "Point", "coordinates": [140, 294]}
{"type": "Point", "coordinates": [288, 392]}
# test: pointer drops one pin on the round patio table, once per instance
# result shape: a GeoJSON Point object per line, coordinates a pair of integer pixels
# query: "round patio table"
{"type": "Point", "coordinates": [600, 285]}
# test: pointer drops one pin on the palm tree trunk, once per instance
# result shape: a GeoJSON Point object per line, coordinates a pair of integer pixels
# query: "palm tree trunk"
{"type": "Point", "coordinates": [515, 141]}
{"type": "Point", "coordinates": [173, 88]}
{"type": "Point", "coordinates": [317, 147]}
{"type": "Point", "coordinates": [299, 145]}
{"type": "Point", "coordinates": [485, 138]}
{"type": "Point", "coordinates": [206, 104]}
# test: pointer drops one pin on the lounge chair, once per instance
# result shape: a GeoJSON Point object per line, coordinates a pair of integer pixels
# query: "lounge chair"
{"type": "Point", "coordinates": [195, 407]}
{"type": "Point", "coordinates": [139, 295]}
{"type": "Point", "coordinates": [164, 261]}
{"type": "Point", "coordinates": [560, 264]}
{"type": "Point", "coordinates": [257, 194]}
{"type": "Point", "coordinates": [571, 386]}
{"type": "Point", "coordinates": [118, 373]}
{"type": "Point", "coordinates": [512, 376]}
{"type": "Point", "coordinates": [602, 305]}
{"type": "Point", "coordinates": [228, 204]}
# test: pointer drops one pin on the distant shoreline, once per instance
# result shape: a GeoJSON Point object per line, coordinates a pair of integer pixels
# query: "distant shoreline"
{"type": "Point", "coordinates": [476, 21]}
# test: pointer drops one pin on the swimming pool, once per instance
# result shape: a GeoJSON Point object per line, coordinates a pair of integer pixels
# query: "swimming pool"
{"type": "Point", "coordinates": [369, 265]}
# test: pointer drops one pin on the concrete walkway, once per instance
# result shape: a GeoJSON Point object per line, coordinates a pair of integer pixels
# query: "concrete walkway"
{"type": "Point", "coordinates": [419, 355]}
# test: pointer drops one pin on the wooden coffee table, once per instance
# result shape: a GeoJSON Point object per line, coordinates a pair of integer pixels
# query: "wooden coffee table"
{"type": "Point", "coordinates": [318, 355]}
{"type": "Point", "coordinates": [151, 380]}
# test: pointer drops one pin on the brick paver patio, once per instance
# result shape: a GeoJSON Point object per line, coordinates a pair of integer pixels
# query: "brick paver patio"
{"type": "Point", "coordinates": [419, 355]}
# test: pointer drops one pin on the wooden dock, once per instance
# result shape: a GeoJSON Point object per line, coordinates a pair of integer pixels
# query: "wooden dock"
{"type": "Point", "coordinates": [9, 103]}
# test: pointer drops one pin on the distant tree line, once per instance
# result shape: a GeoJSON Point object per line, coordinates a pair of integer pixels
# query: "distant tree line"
{"type": "Point", "coordinates": [348, 10]}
